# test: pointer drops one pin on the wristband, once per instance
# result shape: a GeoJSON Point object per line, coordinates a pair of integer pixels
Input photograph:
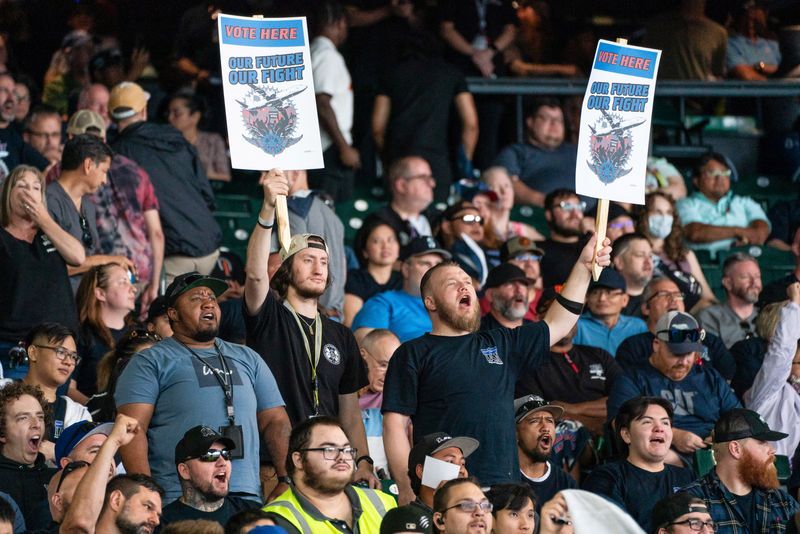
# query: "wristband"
{"type": "Point", "coordinates": [284, 479]}
{"type": "Point", "coordinates": [266, 225]}
{"type": "Point", "coordinates": [570, 305]}
{"type": "Point", "coordinates": [365, 457]}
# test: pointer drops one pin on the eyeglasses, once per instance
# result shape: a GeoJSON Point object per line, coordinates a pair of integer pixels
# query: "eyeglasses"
{"type": "Point", "coordinates": [572, 206]}
{"type": "Point", "coordinates": [214, 454]}
{"type": "Point", "coordinates": [671, 295]}
{"type": "Point", "coordinates": [48, 135]}
{"type": "Point", "coordinates": [426, 177]}
{"type": "Point", "coordinates": [468, 219]}
{"type": "Point", "coordinates": [717, 174]}
{"type": "Point", "coordinates": [86, 235]}
{"type": "Point", "coordinates": [69, 468]}
{"type": "Point", "coordinates": [623, 225]}
{"type": "Point", "coordinates": [527, 257]}
{"type": "Point", "coordinates": [679, 335]}
{"type": "Point", "coordinates": [62, 353]}
{"type": "Point", "coordinates": [471, 506]}
{"type": "Point", "coordinates": [605, 292]}
{"type": "Point", "coordinates": [332, 453]}
{"type": "Point", "coordinates": [697, 525]}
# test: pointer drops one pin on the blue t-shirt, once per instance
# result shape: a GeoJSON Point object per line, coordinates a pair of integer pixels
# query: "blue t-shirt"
{"type": "Point", "coordinates": [742, 51]}
{"type": "Point", "coordinates": [464, 385]}
{"type": "Point", "coordinates": [595, 333]}
{"type": "Point", "coordinates": [186, 393]}
{"type": "Point", "coordinates": [698, 400]}
{"type": "Point", "coordinates": [404, 314]}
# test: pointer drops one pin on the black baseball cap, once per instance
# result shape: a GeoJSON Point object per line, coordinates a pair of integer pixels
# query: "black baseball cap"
{"type": "Point", "coordinates": [433, 443]}
{"type": "Point", "coordinates": [157, 308]}
{"type": "Point", "coordinates": [196, 442]}
{"type": "Point", "coordinates": [609, 278]}
{"type": "Point", "coordinates": [741, 423]}
{"type": "Point", "coordinates": [424, 245]}
{"type": "Point", "coordinates": [674, 506]}
{"type": "Point", "coordinates": [187, 281]}
{"type": "Point", "coordinates": [406, 519]}
{"type": "Point", "coordinates": [505, 273]}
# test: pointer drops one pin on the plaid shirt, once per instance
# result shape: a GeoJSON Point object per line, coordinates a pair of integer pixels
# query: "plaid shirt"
{"type": "Point", "coordinates": [774, 508]}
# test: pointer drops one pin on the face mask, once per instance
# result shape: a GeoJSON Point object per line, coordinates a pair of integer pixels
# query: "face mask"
{"type": "Point", "coordinates": [660, 225]}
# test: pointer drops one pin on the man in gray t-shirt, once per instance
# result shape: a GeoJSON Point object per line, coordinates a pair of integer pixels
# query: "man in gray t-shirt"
{"type": "Point", "coordinates": [181, 383]}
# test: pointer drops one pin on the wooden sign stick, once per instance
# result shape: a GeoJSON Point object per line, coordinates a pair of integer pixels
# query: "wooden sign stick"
{"type": "Point", "coordinates": [601, 222]}
{"type": "Point", "coordinates": [282, 220]}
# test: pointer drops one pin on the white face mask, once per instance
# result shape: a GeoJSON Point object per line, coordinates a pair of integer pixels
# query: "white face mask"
{"type": "Point", "coordinates": [660, 225]}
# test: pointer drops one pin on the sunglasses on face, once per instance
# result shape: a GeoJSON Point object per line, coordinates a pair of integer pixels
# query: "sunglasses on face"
{"type": "Point", "coordinates": [679, 335]}
{"type": "Point", "coordinates": [214, 454]}
{"type": "Point", "coordinates": [527, 257]}
{"type": "Point", "coordinates": [717, 174]}
{"type": "Point", "coordinates": [621, 225]}
{"type": "Point", "coordinates": [572, 206]}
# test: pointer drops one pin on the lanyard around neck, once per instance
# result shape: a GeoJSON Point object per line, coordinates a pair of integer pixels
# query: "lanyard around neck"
{"type": "Point", "coordinates": [313, 360]}
{"type": "Point", "coordinates": [225, 381]}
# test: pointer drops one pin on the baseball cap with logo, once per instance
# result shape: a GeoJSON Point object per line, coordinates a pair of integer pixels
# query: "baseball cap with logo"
{"type": "Point", "coordinates": [301, 242]}
{"type": "Point", "coordinates": [433, 443]}
{"type": "Point", "coordinates": [187, 281]}
{"type": "Point", "coordinates": [126, 100]}
{"type": "Point", "coordinates": [424, 245]}
{"type": "Point", "coordinates": [680, 332]}
{"type": "Point", "coordinates": [406, 519]}
{"type": "Point", "coordinates": [517, 245]}
{"type": "Point", "coordinates": [741, 423]}
{"type": "Point", "coordinates": [529, 404]}
{"type": "Point", "coordinates": [86, 121]}
{"type": "Point", "coordinates": [196, 442]}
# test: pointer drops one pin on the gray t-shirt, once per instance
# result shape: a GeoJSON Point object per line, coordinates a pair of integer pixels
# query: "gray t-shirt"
{"type": "Point", "coordinates": [75, 223]}
{"type": "Point", "coordinates": [186, 393]}
{"type": "Point", "coordinates": [723, 322]}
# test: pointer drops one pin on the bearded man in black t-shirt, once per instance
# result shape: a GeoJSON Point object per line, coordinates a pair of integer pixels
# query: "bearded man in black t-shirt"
{"type": "Point", "coordinates": [463, 380]}
{"type": "Point", "coordinates": [315, 361]}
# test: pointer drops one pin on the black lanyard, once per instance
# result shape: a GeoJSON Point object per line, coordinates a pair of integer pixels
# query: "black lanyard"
{"type": "Point", "coordinates": [225, 383]}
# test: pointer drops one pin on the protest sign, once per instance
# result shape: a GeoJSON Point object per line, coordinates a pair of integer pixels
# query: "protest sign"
{"type": "Point", "coordinates": [615, 123]}
{"type": "Point", "coordinates": [270, 104]}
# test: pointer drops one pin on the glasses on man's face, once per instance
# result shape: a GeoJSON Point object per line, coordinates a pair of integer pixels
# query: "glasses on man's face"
{"type": "Point", "coordinates": [697, 524]}
{"type": "Point", "coordinates": [214, 454]}
{"type": "Point", "coordinates": [572, 206]}
{"type": "Point", "coordinates": [622, 225]}
{"type": "Point", "coordinates": [46, 135]}
{"type": "Point", "coordinates": [425, 177]}
{"type": "Point", "coordinates": [69, 468]}
{"type": "Point", "coordinates": [62, 353]}
{"type": "Point", "coordinates": [332, 453]}
{"type": "Point", "coordinates": [717, 173]}
{"type": "Point", "coordinates": [671, 295]}
{"type": "Point", "coordinates": [471, 506]}
{"type": "Point", "coordinates": [527, 257]}
{"type": "Point", "coordinates": [468, 219]}
{"type": "Point", "coordinates": [86, 235]}
{"type": "Point", "coordinates": [601, 292]}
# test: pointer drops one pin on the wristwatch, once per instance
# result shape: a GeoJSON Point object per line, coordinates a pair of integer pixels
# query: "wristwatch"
{"type": "Point", "coordinates": [365, 457]}
{"type": "Point", "coordinates": [284, 479]}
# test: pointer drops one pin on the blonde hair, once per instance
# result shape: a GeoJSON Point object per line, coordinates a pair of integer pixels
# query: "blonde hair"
{"type": "Point", "coordinates": [767, 320]}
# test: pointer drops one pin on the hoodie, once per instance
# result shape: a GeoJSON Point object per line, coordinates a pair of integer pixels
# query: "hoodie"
{"type": "Point", "coordinates": [27, 485]}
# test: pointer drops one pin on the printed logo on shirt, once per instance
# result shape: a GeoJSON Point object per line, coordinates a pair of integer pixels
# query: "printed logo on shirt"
{"type": "Point", "coordinates": [596, 371]}
{"type": "Point", "coordinates": [205, 374]}
{"type": "Point", "coordinates": [48, 245]}
{"type": "Point", "coordinates": [331, 354]}
{"type": "Point", "coordinates": [683, 401]}
{"type": "Point", "coordinates": [492, 356]}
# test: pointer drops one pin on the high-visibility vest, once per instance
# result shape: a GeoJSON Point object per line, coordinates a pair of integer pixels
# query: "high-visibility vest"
{"type": "Point", "coordinates": [374, 505]}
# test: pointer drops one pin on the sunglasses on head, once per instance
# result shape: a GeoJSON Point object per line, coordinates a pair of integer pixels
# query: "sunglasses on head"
{"type": "Point", "coordinates": [680, 335]}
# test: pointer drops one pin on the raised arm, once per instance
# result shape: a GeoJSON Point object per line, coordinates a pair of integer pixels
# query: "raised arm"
{"type": "Point", "coordinates": [256, 285]}
{"type": "Point", "coordinates": [397, 447]}
{"type": "Point", "coordinates": [70, 248]}
{"type": "Point", "coordinates": [134, 453]}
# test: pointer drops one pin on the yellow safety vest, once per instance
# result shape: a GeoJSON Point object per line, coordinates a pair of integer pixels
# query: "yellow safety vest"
{"type": "Point", "coordinates": [374, 504]}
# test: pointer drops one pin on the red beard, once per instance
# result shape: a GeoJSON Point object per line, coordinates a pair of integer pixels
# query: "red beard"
{"type": "Point", "coordinates": [761, 475]}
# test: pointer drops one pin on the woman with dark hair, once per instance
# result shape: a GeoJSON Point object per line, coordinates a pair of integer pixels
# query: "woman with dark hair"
{"type": "Point", "coordinates": [513, 508]}
{"type": "Point", "coordinates": [661, 223]}
{"type": "Point", "coordinates": [185, 111]}
{"type": "Point", "coordinates": [106, 297]}
{"type": "Point", "coordinates": [753, 52]}
{"type": "Point", "coordinates": [377, 248]}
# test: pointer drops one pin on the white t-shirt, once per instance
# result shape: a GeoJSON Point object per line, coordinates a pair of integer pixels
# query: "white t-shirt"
{"type": "Point", "coordinates": [332, 77]}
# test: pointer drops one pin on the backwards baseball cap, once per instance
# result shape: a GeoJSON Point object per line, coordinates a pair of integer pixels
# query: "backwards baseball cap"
{"type": "Point", "coordinates": [301, 242]}
{"type": "Point", "coordinates": [610, 279]}
{"type": "Point", "coordinates": [77, 432]}
{"type": "Point", "coordinates": [433, 443]}
{"type": "Point", "coordinates": [516, 245]}
{"type": "Point", "coordinates": [196, 442]}
{"type": "Point", "coordinates": [529, 404]}
{"type": "Point", "coordinates": [505, 273]}
{"type": "Point", "coordinates": [126, 100]}
{"type": "Point", "coordinates": [157, 308]}
{"type": "Point", "coordinates": [424, 245]}
{"type": "Point", "coordinates": [406, 519]}
{"type": "Point", "coordinates": [741, 423]}
{"type": "Point", "coordinates": [85, 120]}
{"type": "Point", "coordinates": [187, 281]}
{"type": "Point", "coordinates": [680, 332]}
{"type": "Point", "coordinates": [671, 508]}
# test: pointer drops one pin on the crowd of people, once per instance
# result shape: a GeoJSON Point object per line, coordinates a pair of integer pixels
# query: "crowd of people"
{"type": "Point", "coordinates": [452, 369]}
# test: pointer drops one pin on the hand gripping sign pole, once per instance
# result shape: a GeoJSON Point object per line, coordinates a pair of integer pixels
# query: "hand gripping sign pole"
{"type": "Point", "coordinates": [615, 129]}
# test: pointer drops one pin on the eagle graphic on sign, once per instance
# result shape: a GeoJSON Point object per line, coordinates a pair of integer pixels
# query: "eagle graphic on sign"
{"type": "Point", "coordinates": [611, 145]}
{"type": "Point", "coordinates": [270, 118]}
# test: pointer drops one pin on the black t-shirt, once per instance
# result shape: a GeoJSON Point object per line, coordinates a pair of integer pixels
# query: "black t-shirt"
{"type": "Point", "coordinates": [746, 504]}
{"type": "Point", "coordinates": [231, 323]}
{"type": "Point", "coordinates": [749, 356]}
{"type": "Point", "coordinates": [15, 151]}
{"type": "Point", "coordinates": [92, 349]}
{"type": "Point", "coordinates": [488, 322]}
{"type": "Point", "coordinates": [464, 385]}
{"type": "Point", "coordinates": [634, 352]}
{"type": "Point", "coordinates": [361, 283]}
{"type": "Point", "coordinates": [557, 380]}
{"type": "Point", "coordinates": [544, 490]}
{"type": "Point", "coordinates": [178, 511]}
{"type": "Point", "coordinates": [274, 334]}
{"type": "Point", "coordinates": [634, 489]}
{"type": "Point", "coordinates": [634, 306]}
{"type": "Point", "coordinates": [34, 286]}
{"type": "Point", "coordinates": [558, 260]}
{"type": "Point", "coordinates": [775, 291]}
